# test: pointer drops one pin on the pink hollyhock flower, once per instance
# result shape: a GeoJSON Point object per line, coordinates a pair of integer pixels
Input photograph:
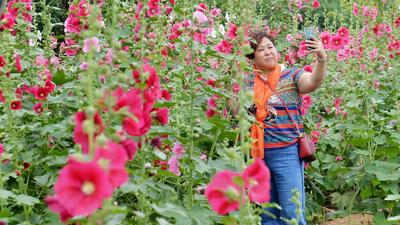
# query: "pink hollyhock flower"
{"type": "Point", "coordinates": [203, 156]}
{"type": "Point", "coordinates": [343, 32]}
{"type": "Point", "coordinates": [91, 43]}
{"type": "Point", "coordinates": [338, 101]}
{"type": "Point", "coordinates": [211, 113]}
{"type": "Point", "coordinates": [55, 206]}
{"type": "Point", "coordinates": [339, 158]}
{"type": "Point", "coordinates": [200, 37]}
{"type": "Point", "coordinates": [336, 42]}
{"type": "Point", "coordinates": [153, 82]}
{"type": "Point", "coordinates": [162, 116]}
{"type": "Point", "coordinates": [315, 134]}
{"type": "Point", "coordinates": [174, 166]}
{"type": "Point", "coordinates": [1, 149]}
{"type": "Point", "coordinates": [202, 7]}
{"type": "Point", "coordinates": [81, 187]}
{"type": "Point", "coordinates": [41, 61]}
{"type": "Point", "coordinates": [109, 56]}
{"type": "Point", "coordinates": [19, 93]}
{"type": "Point", "coordinates": [222, 193]}
{"type": "Point", "coordinates": [316, 4]}
{"type": "Point", "coordinates": [2, 98]}
{"type": "Point", "coordinates": [302, 51]}
{"type": "Point", "coordinates": [308, 68]}
{"type": "Point", "coordinates": [376, 84]}
{"type": "Point", "coordinates": [325, 39]}
{"type": "Point", "coordinates": [355, 9]}
{"type": "Point", "coordinates": [236, 88]}
{"type": "Point", "coordinates": [257, 181]}
{"type": "Point", "coordinates": [178, 150]}
{"type": "Point", "coordinates": [38, 108]}
{"type": "Point", "coordinates": [18, 65]}
{"type": "Point", "coordinates": [224, 47]}
{"type": "Point", "coordinates": [41, 93]}
{"type": "Point", "coordinates": [211, 103]}
{"type": "Point", "coordinates": [55, 61]}
{"type": "Point", "coordinates": [112, 159]}
{"type": "Point", "coordinates": [154, 8]}
{"type": "Point", "coordinates": [81, 136]}
{"type": "Point", "coordinates": [16, 105]}
{"type": "Point", "coordinates": [200, 17]}
{"type": "Point", "coordinates": [130, 147]}
{"type": "Point", "coordinates": [215, 12]}
{"type": "Point", "coordinates": [232, 31]}
{"type": "Point", "coordinates": [373, 54]}
{"type": "Point", "coordinates": [166, 95]}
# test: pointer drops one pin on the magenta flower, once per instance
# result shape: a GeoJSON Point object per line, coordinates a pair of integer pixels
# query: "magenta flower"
{"type": "Point", "coordinates": [112, 159]}
{"type": "Point", "coordinates": [325, 39]}
{"type": "Point", "coordinates": [343, 32]}
{"type": "Point", "coordinates": [38, 108]}
{"type": "Point", "coordinates": [130, 147]}
{"type": "Point", "coordinates": [80, 135]}
{"type": "Point", "coordinates": [257, 180]}
{"type": "Point", "coordinates": [174, 166]}
{"type": "Point", "coordinates": [91, 43]}
{"type": "Point", "coordinates": [41, 93]}
{"type": "Point", "coordinates": [18, 65]}
{"type": "Point", "coordinates": [162, 116]}
{"type": "Point", "coordinates": [1, 149]}
{"type": "Point", "coordinates": [222, 193]}
{"type": "Point", "coordinates": [55, 206]}
{"type": "Point", "coordinates": [232, 31]}
{"type": "Point", "coordinates": [178, 150]}
{"type": "Point", "coordinates": [16, 105]}
{"type": "Point", "coordinates": [215, 12]}
{"type": "Point", "coordinates": [224, 47]}
{"type": "Point", "coordinates": [336, 42]}
{"type": "Point", "coordinates": [355, 9]}
{"type": "Point", "coordinates": [316, 4]}
{"type": "Point", "coordinates": [81, 187]}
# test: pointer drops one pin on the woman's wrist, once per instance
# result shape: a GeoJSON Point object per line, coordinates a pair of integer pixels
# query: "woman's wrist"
{"type": "Point", "coordinates": [322, 59]}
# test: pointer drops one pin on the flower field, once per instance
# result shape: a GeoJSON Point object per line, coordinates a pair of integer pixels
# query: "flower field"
{"type": "Point", "coordinates": [124, 112]}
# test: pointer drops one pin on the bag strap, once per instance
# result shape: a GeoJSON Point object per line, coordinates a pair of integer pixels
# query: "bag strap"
{"type": "Point", "coordinates": [296, 125]}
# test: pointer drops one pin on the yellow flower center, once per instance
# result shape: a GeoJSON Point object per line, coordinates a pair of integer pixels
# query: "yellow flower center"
{"type": "Point", "coordinates": [88, 188]}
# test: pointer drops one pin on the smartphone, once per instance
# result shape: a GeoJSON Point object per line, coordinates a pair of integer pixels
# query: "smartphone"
{"type": "Point", "coordinates": [2, 6]}
{"type": "Point", "coordinates": [310, 32]}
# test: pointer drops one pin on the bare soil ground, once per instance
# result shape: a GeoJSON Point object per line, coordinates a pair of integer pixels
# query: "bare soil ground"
{"type": "Point", "coordinates": [355, 219]}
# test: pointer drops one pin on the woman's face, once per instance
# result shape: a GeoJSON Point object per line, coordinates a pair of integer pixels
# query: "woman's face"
{"type": "Point", "coordinates": [265, 56]}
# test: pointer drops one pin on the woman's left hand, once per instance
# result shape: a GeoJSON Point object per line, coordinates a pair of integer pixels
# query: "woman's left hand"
{"type": "Point", "coordinates": [316, 46]}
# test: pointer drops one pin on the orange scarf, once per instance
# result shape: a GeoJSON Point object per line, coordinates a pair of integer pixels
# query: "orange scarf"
{"type": "Point", "coordinates": [261, 95]}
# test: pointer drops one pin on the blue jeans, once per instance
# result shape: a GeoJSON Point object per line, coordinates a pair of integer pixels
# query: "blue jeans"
{"type": "Point", "coordinates": [287, 173]}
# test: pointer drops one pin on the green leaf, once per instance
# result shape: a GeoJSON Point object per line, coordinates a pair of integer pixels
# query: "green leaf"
{"type": "Point", "coordinates": [162, 130]}
{"type": "Point", "coordinates": [172, 210]}
{"type": "Point", "coordinates": [4, 194]}
{"type": "Point", "coordinates": [393, 197]}
{"type": "Point", "coordinates": [26, 200]}
{"type": "Point", "coordinates": [60, 78]}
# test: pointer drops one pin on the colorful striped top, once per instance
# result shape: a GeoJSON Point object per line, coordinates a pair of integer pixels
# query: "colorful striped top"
{"type": "Point", "coordinates": [281, 132]}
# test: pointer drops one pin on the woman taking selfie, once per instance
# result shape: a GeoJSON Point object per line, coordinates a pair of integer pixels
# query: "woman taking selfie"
{"type": "Point", "coordinates": [276, 93]}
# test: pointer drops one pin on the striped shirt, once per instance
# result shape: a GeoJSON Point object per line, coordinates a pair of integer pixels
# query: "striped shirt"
{"type": "Point", "coordinates": [281, 132]}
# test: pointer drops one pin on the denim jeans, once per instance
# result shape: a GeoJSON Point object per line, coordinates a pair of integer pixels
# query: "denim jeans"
{"type": "Point", "coordinates": [287, 173]}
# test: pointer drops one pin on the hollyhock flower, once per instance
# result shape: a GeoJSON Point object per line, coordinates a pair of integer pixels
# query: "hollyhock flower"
{"type": "Point", "coordinates": [200, 37]}
{"type": "Point", "coordinates": [91, 43]}
{"type": "Point", "coordinates": [355, 9]}
{"type": "Point", "coordinates": [202, 7]}
{"type": "Point", "coordinates": [112, 159]}
{"type": "Point", "coordinates": [211, 113]}
{"type": "Point", "coordinates": [222, 193]}
{"type": "Point", "coordinates": [224, 47]}
{"type": "Point", "coordinates": [55, 206]}
{"type": "Point", "coordinates": [81, 187]}
{"type": "Point", "coordinates": [41, 61]}
{"type": "Point", "coordinates": [315, 134]}
{"type": "Point", "coordinates": [84, 66]}
{"type": "Point", "coordinates": [257, 181]}
{"type": "Point", "coordinates": [81, 136]}
{"type": "Point", "coordinates": [16, 105]}
{"type": "Point", "coordinates": [338, 101]}
{"type": "Point", "coordinates": [41, 93]}
{"type": "Point", "coordinates": [2, 98]}
{"type": "Point", "coordinates": [162, 116]}
{"type": "Point", "coordinates": [211, 103]}
{"type": "Point", "coordinates": [343, 32]}
{"type": "Point", "coordinates": [154, 8]}
{"type": "Point", "coordinates": [300, 4]}
{"type": "Point", "coordinates": [325, 39]}
{"type": "Point", "coordinates": [178, 150]}
{"type": "Point", "coordinates": [109, 56]}
{"type": "Point", "coordinates": [166, 95]}
{"type": "Point", "coordinates": [236, 88]}
{"type": "Point", "coordinates": [55, 61]}
{"type": "Point", "coordinates": [49, 85]}
{"type": "Point", "coordinates": [203, 156]}
{"type": "Point", "coordinates": [316, 4]}
{"type": "Point", "coordinates": [336, 42]}
{"type": "Point", "coordinates": [376, 84]}
{"type": "Point", "coordinates": [232, 31]}
{"type": "Point", "coordinates": [38, 108]}
{"type": "Point", "coordinates": [373, 54]}
{"type": "Point", "coordinates": [215, 12]}
{"type": "Point", "coordinates": [339, 158]}
{"type": "Point", "coordinates": [1, 149]}
{"type": "Point", "coordinates": [302, 51]}
{"type": "Point", "coordinates": [2, 61]}
{"type": "Point", "coordinates": [19, 93]}
{"type": "Point", "coordinates": [200, 17]}
{"type": "Point", "coordinates": [130, 147]}
{"type": "Point", "coordinates": [18, 65]}
{"type": "Point", "coordinates": [174, 166]}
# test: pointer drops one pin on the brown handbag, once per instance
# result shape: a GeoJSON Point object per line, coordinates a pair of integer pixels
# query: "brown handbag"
{"type": "Point", "coordinates": [306, 146]}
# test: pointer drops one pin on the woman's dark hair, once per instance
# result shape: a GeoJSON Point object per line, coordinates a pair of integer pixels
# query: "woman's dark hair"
{"type": "Point", "coordinates": [256, 38]}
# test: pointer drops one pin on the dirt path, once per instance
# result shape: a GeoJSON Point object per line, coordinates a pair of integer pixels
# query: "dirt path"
{"type": "Point", "coordinates": [355, 219]}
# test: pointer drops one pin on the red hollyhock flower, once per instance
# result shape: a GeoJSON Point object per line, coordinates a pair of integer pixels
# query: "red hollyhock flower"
{"type": "Point", "coordinates": [41, 93]}
{"type": "Point", "coordinates": [18, 65]}
{"type": "Point", "coordinates": [232, 32]}
{"type": "Point", "coordinates": [154, 8]}
{"type": "Point", "coordinates": [165, 95]}
{"type": "Point", "coordinates": [38, 108]}
{"type": "Point", "coordinates": [2, 61]}
{"type": "Point", "coordinates": [336, 42]}
{"type": "Point", "coordinates": [325, 39]}
{"type": "Point", "coordinates": [130, 147]}
{"type": "Point", "coordinates": [16, 105]}
{"type": "Point", "coordinates": [2, 99]}
{"type": "Point", "coordinates": [55, 206]}
{"type": "Point", "coordinates": [162, 116]}
{"type": "Point", "coordinates": [112, 160]}
{"type": "Point", "coordinates": [222, 194]}
{"type": "Point", "coordinates": [343, 32]}
{"type": "Point", "coordinates": [50, 86]}
{"type": "Point", "coordinates": [81, 187]}
{"type": "Point", "coordinates": [80, 136]}
{"type": "Point", "coordinates": [316, 4]}
{"type": "Point", "coordinates": [257, 180]}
